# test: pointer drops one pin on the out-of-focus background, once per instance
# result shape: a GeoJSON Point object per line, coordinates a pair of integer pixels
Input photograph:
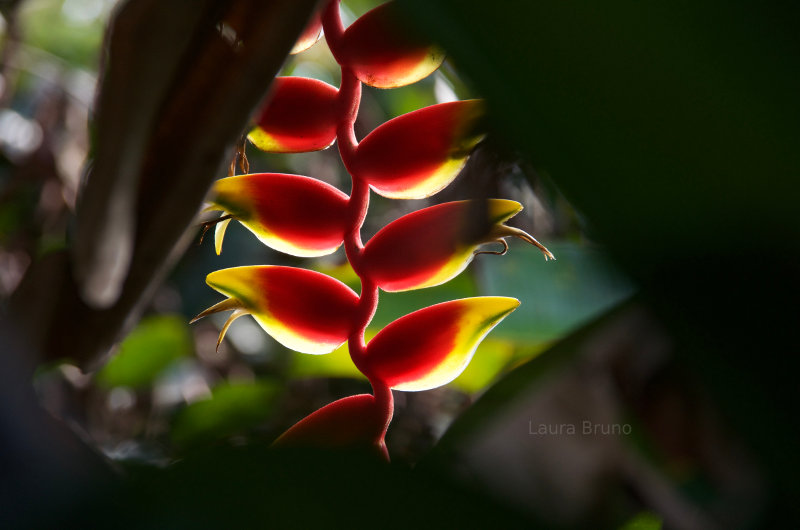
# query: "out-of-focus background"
{"type": "Point", "coordinates": [645, 381]}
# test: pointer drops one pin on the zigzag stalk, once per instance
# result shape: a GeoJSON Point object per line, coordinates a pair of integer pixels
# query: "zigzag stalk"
{"type": "Point", "coordinates": [348, 105]}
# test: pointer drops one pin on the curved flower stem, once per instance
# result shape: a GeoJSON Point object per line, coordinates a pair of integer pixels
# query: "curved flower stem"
{"type": "Point", "coordinates": [334, 28]}
{"type": "Point", "coordinates": [348, 103]}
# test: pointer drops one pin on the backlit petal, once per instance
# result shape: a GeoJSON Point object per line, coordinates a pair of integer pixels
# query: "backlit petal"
{"type": "Point", "coordinates": [310, 34]}
{"type": "Point", "coordinates": [431, 347]}
{"type": "Point", "coordinates": [384, 54]}
{"type": "Point", "coordinates": [418, 154]}
{"type": "Point", "coordinates": [304, 310]}
{"type": "Point", "coordinates": [433, 245]}
{"type": "Point", "coordinates": [354, 421]}
{"type": "Point", "coordinates": [298, 215]}
{"type": "Point", "coordinates": [300, 115]}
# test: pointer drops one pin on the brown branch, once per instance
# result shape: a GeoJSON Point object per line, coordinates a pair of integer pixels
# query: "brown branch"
{"type": "Point", "coordinates": [175, 98]}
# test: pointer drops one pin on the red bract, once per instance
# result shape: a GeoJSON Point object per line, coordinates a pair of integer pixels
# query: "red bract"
{"type": "Point", "coordinates": [294, 214]}
{"type": "Point", "coordinates": [351, 421]}
{"type": "Point", "coordinates": [409, 157]}
{"type": "Point", "coordinates": [433, 245]}
{"type": "Point", "coordinates": [303, 310]}
{"type": "Point", "coordinates": [418, 154]}
{"type": "Point", "coordinates": [300, 115]}
{"type": "Point", "coordinates": [431, 347]}
{"type": "Point", "coordinates": [382, 54]}
{"type": "Point", "coordinates": [310, 34]}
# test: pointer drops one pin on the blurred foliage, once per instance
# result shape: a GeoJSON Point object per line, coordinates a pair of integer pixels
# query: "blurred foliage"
{"type": "Point", "coordinates": [155, 343]}
{"type": "Point", "coordinates": [71, 30]}
{"type": "Point", "coordinates": [676, 139]}
{"type": "Point", "coordinates": [643, 521]}
{"type": "Point", "coordinates": [558, 297]}
{"type": "Point", "coordinates": [232, 408]}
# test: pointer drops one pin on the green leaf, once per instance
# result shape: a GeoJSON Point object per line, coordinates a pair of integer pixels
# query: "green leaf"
{"type": "Point", "coordinates": [643, 521]}
{"type": "Point", "coordinates": [335, 364]}
{"type": "Point", "coordinates": [232, 408]}
{"type": "Point", "coordinates": [676, 140]}
{"type": "Point", "coordinates": [146, 351]}
{"type": "Point", "coordinates": [394, 305]}
{"type": "Point", "coordinates": [557, 297]}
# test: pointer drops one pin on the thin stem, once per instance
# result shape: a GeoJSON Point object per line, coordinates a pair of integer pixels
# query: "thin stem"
{"type": "Point", "coordinates": [385, 402]}
{"type": "Point", "coordinates": [348, 103]}
{"type": "Point", "coordinates": [502, 230]}
{"type": "Point", "coordinates": [349, 100]}
{"type": "Point", "coordinates": [208, 224]}
{"type": "Point", "coordinates": [334, 29]}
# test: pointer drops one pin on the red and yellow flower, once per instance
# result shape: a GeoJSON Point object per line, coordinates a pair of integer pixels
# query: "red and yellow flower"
{"type": "Point", "coordinates": [418, 154]}
{"type": "Point", "coordinates": [299, 116]}
{"type": "Point", "coordinates": [433, 245]}
{"type": "Point", "coordinates": [304, 310]}
{"type": "Point", "coordinates": [412, 156]}
{"type": "Point", "coordinates": [297, 215]}
{"type": "Point", "coordinates": [383, 54]}
{"type": "Point", "coordinates": [431, 347]}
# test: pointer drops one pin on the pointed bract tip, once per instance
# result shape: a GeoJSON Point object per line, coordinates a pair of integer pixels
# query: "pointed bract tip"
{"type": "Point", "coordinates": [229, 304]}
{"type": "Point", "coordinates": [504, 230]}
{"type": "Point", "coordinates": [219, 234]}
{"type": "Point", "coordinates": [236, 314]}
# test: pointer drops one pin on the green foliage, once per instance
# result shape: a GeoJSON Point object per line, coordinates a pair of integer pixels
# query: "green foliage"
{"type": "Point", "coordinates": [66, 29]}
{"type": "Point", "coordinates": [155, 343]}
{"type": "Point", "coordinates": [232, 408]}
{"type": "Point", "coordinates": [558, 298]}
{"type": "Point", "coordinates": [643, 521]}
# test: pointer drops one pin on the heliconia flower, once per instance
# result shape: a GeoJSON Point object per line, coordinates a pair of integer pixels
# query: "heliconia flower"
{"type": "Point", "coordinates": [433, 245]}
{"type": "Point", "coordinates": [418, 154]}
{"type": "Point", "coordinates": [384, 55]}
{"type": "Point", "coordinates": [354, 421]}
{"type": "Point", "coordinates": [304, 310]}
{"type": "Point", "coordinates": [298, 215]}
{"type": "Point", "coordinates": [310, 34]}
{"type": "Point", "coordinates": [299, 115]}
{"type": "Point", "coordinates": [431, 347]}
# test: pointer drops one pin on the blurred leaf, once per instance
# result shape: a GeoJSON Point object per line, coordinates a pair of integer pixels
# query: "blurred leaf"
{"type": "Point", "coordinates": [395, 305]}
{"type": "Point", "coordinates": [233, 407]}
{"type": "Point", "coordinates": [556, 297]}
{"type": "Point", "coordinates": [652, 118]}
{"type": "Point", "coordinates": [643, 521]}
{"type": "Point", "coordinates": [334, 364]}
{"type": "Point", "coordinates": [146, 351]}
{"type": "Point", "coordinates": [253, 486]}
{"type": "Point", "coordinates": [342, 272]}
{"type": "Point", "coordinates": [515, 384]}
{"type": "Point", "coordinates": [74, 35]}
{"type": "Point", "coordinates": [407, 99]}
{"type": "Point", "coordinates": [676, 139]}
